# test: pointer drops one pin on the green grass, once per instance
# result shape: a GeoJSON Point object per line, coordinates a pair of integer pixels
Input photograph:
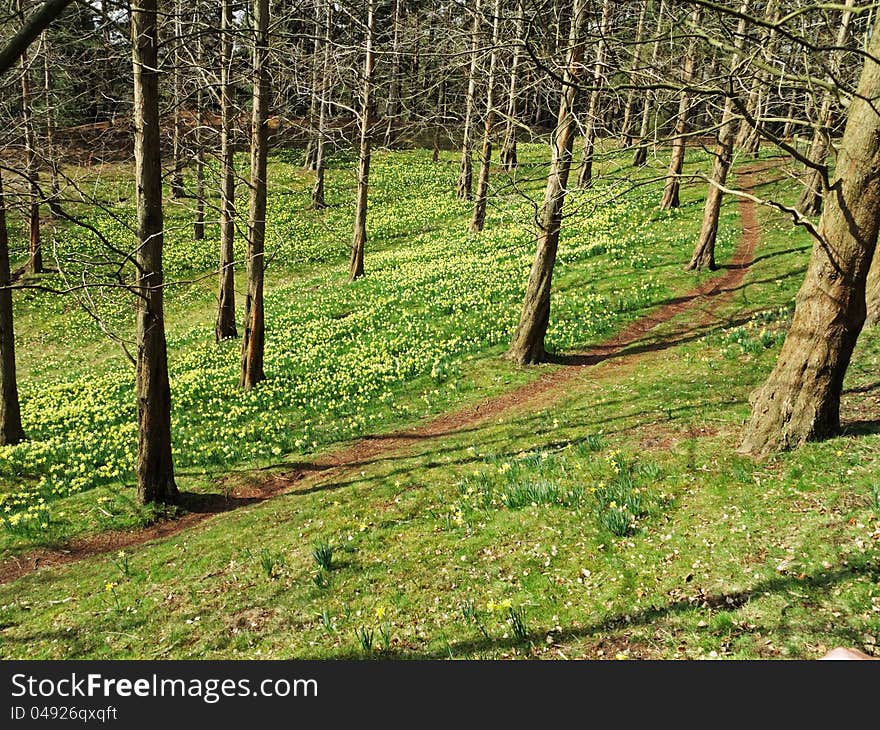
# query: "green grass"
{"type": "Point", "coordinates": [619, 521]}
{"type": "Point", "coordinates": [420, 334]}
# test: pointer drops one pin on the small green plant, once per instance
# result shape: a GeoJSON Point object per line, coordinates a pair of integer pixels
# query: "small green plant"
{"type": "Point", "coordinates": [365, 638]}
{"type": "Point", "coordinates": [323, 555]}
{"type": "Point", "coordinates": [385, 635]}
{"type": "Point", "coordinates": [271, 563]}
{"type": "Point", "coordinates": [122, 561]}
{"type": "Point", "coordinates": [617, 521]}
{"type": "Point", "coordinates": [327, 621]}
{"type": "Point", "coordinates": [875, 496]}
{"type": "Point", "coordinates": [321, 580]}
{"type": "Point", "coordinates": [528, 493]}
{"type": "Point", "coordinates": [516, 617]}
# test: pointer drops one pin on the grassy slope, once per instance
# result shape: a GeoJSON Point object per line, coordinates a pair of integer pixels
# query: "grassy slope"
{"type": "Point", "coordinates": [440, 551]}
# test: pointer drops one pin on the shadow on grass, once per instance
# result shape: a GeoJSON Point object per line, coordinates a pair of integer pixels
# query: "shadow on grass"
{"type": "Point", "coordinates": [869, 568]}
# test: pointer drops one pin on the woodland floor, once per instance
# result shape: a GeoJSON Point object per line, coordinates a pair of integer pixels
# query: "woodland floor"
{"type": "Point", "coordinates": [492, 530]}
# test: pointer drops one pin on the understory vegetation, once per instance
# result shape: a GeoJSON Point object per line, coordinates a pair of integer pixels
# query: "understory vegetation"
{"type": "Point", "coordinates": [609, 517]}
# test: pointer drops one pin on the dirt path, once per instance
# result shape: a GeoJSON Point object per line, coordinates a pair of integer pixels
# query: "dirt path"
{"type": "Point", "coordinates": [540, 393]}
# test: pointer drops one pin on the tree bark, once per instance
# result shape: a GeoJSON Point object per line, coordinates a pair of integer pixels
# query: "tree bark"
{"type": "Point", "coordinates": [676, 162]}
{"type": "Point", "coordinates": [640, 156]}
{"type": "Point", "coordinates": [225, 324]}
{"type": "Point", "coordinates": [626, 124]}
{"type": "Point", "coordinates": [11, 431]}
{"type": "Point", "coordinates": [199, 218]}
{"type": "Point", "coordinates": [800, 401]}
{"type": "Point", "coordinates": [177, 144]}
{"type": "Point", "coordinates": [359, 237]}
{"type": "Point", "coordinates": [310, 159]}
{"type": "Point", "coordinates": [465, 175]}
{"type": "Point", "coordinates": [51, 152]}
{"type": "Point", "coordinates": [392, 108]}
{"type": "Point", "coordinates": [35, 262]}
{"type": "Point", "coordinates": [704, 252]}
{"type": "Point", "coordinates": [253, 341]}
{"type": "Point", "coordinates": [527, 346]}
{"type": "Point", "coordinates": [478, 219]}
{"type": "Point", "coordinates": [318, 200]}
{"type": "Point", "coordinates": [508, 147]}
{"type": "Point", "coordinates": [586, 174]}
{"type": "Point", "coordinates": [155, 469]}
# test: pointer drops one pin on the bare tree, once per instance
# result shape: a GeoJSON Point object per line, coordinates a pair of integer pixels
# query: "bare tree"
{"type": "Point", "coordinates": [155, 468]}
{"type": "Point", "coordinates": [800, 401]}
{"type": "Point", "coordinates": [253, 341]}
{"type": "Point", "coordinates": [11, 431]}
{"type": "Point", "coordinates": [704, 252]}
{"type": "Point", "coordinates": [676, 162]}
{"type": "Point", "coordinates": [465, 176]}
{"type": "Point", "coordinates": [478, 219]}
{"type": "Point", "coordinates": [359, 237]}
{"type": "Point", "coordinates": [225, 324]}
{"type": "Point", "coordinates": [586, 174]}
{"type": "Point", "coordinates": [527, 346]}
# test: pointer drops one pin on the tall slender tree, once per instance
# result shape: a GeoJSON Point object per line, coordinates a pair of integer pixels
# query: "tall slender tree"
{"type": "Point", "coordinates": [640, 156]}
{"type": "Point", "coordinates": [465, 175]}
{"type": "Point", "coordinates": [318, 200]}
{"type": "Point", "coordinates": [478, 219]}
{"type": "Point", "coordinates": [11, 431]}
{"type": "Point", "coordinates": [155, 467]}
{"type": "Point", "coordinates": [704, 251]}
{"type": "Point", "coordinates": [508, 155]}
{"type": "Point", "coordinates": [225, 324]}
{"type": "Point", "coordinates": [586, 174]}
{"type": "Point", "coordinates": [527, 346]}
{"type": "Point", "coordinates": [254, 339]}
{"type": "Point", "coordinates": [359, 237]}
{"type": "Point", "coordinates": [35, 262]}
{"type": "Point", "coordinates": [676, 161]}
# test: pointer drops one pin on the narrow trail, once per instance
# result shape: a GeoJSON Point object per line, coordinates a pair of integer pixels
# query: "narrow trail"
{"type": "Point", "coordinates": [624, 347]}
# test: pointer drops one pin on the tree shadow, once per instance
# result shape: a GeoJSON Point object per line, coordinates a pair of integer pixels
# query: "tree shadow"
{"type": "Point", "coordinates": [719, 601]}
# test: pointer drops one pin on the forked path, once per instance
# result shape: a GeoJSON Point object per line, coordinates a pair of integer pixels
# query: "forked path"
{"type": "Point", "coordinates": [539, 393]}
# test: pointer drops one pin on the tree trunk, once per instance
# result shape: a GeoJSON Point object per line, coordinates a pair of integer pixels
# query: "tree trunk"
{"type": "Point", "coordinates": [478, 219]}
{"type": "Point", "coordinates": [704, 252]}
{"type": "Point", "coordinates": [676, 162]}
{"type": "Point", "coordinates": [177, 146]}
{"type": "Point", "coordinates": [253, 341]}
{"type": "Point", "coordinates": [800, 401]}
{"type": "Point", "coordinates": [811, 199]}
{"type": "Point", "coordinates": [35, 262]}
{"type": "Point", "coordinates": [310, 159]}
{"type": "Point", "coordinates": [318, 201]}
{"type": "Point", "coordinates": [640, 156]}
{"type": "Point", "coordinates": [51, 152]}
{"type": "Point", "coordinates": [527, 346]}
{"type": "Point", "coordinates": [465, 176]}
{"type": "Point", "coordinates": [440, 116]}
{"type": "Point", "coordinates": [508, 147]}
{"type": "Point", "coordinates": [199, 218]}
{"type": "Point", "coordinates": [586, 175]}
{"type": "Point", "coordinates": [225, 325]}
{"type": "Point", "coordinates": [392, 109]}
{"type": "Point", "coordinates": [626, 124]}
{"type": "Point", "coordinates": [155, 469]}
{"type": "Point", "coordinates": [11, 431]}
{"type": "Point", "coordinates": [359, 237]}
